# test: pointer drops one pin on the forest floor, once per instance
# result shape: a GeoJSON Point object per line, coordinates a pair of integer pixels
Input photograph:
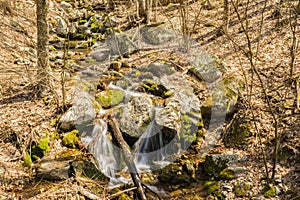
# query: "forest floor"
{"type": "Point", "coordinates": [26, 118]}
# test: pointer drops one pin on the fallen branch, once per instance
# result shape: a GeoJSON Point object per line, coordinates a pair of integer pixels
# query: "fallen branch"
{"type": "Point", "coordinates": [121, 192]}
{"type": "Point", "coordinates": [128, 158]}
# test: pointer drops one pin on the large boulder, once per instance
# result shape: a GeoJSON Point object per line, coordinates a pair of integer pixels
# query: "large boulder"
{"type": "Point", "coordinates": [81, 112]}
{"type": "Point", "coordinates": [136, 115]}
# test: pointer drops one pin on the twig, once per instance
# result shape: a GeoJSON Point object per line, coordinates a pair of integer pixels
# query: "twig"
{"type": "Point", "coordinates": [148, 188]}
{"type": "Point", "coordinates": [121, 192]}
{"type": "Point", "coordinates": [89, 195]}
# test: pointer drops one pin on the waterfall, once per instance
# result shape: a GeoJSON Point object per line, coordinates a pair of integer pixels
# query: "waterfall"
{"type": "Point", "coordinates": [106, 153]}
{"type": "Point", "coordinates": [148, 150]}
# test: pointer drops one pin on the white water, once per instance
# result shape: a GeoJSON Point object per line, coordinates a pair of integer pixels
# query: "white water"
{"type": "Point", "coordinates": [106, 153]}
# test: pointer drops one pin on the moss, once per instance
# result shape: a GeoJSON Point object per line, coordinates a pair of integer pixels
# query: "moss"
{"type": "Point", "coordinates": [97, 106]}
{"type": "Point", "coordinates": [38, 150]}
{"type": "Point", "coordinates": [70, 139]}
{"type": "Point", "coordinates": [89, 59]}
{"type": "Point", "coordinates": [53, 122]}
{"type": "Point", "coordinates": [227, 174]}
{"type": "Point", "coordinates": [95, 26]}
{"type": "Point", "coordinates": [52, 48]}
{"type": "Point", "coordinates": [82, 21]}
{"type": "Point", "coordinates": [241, 189]}
{"type": "Point", "coordinates": [158, 90]}
{"type": "Point", "coordinates": [27, 160]}
{"type": "Point", "coordinates": [211, 186]}
{"type": "Point", "coordinates": [108, 98]}
{"type": "Point", "coordinates": [269, 191]}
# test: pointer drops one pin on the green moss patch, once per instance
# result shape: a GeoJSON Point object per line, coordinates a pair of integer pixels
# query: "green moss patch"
{"type": "Point", "coordinates": [70, 139]}
{"type": "Point", "coordinates": [227, 174]}
{"type": "Point", "coordinates": [241, 189]}
{"type": "Point", "coordinates": [269, 191]}
{"type": "Point", "coordinates": [108, 98]}
{"type": "Point", "coordinates": [212, 186]}
{"type": "Point", "coordinates": [39, 149]}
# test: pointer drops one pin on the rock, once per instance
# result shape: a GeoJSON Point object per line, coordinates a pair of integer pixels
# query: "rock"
{"type": "Point", "coordinates": [62, 27]}
{"type": "Point", "coordinates": [223, 98]}
{"type": "Point", "coordinates": [227, 174]}
{"type": "Point", "coordinates": [136, 115]}
{"type": "Point", "coordinates": [173, 174]}
{"type": "Point", "coordinates": [81, 112]}
{"type": "Point", "coordinates": [65, 164]}
{"type": "Point", "coordinates": [109, 98]}
{"type": "Point", "coordinates": [242, 189]}
{"type": "Point", "coordinates": [212, 187]}
{"type": "Point", "coordinates": [208, 67]}
{"type": "Point", "coordinates": [169, 117]}
{"type": "Point", "coordinates": [86, 168]}
{"type": "Point", "coordinates": [158, 68]}
{"type": "Point", "coordinates": [157, 35]}
{"type": "Point", "coordinates": [120, 44]}
{"type": "Point", "coordinates": [53, 170]}
{"type": "Point", "coordinates": [238, 132]}
{"type": "Point", "coordinates": [212, 167]}
{"type": "Point", "coordinates": [99, 55]}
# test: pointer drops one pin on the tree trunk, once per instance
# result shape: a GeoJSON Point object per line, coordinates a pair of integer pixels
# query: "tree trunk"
{"type": "Point", "coordinates": [225, 17]}
{"type": "Point", "coordinates": [142, 8]}
{"type": "Point", "coordinates": [44, 78]}
{"type": "Point", "coordinates": [148, 11]}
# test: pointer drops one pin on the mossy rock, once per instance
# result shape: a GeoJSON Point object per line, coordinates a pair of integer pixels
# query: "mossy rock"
{"type": "Point", "coordinates": [223, 99]}
{"type": "Point", "coordinates": [269, 191]}
{"type": "Point", "coordinates": [70, 139]}
{"type": "Point", "coordinates": [211, 186]}
{"type": "Point", "coordinates": [86, 168]}
{"type": "Point", "coordinates": [39, 149]}
{"type": "Point", "coordinates": [213, 167]}
{"type": "Point", "coordinates": [174, 174]}
{"type": "Point", "coordinates": [227, 174]}
{"type": "Point", "coordinates": [109, 98]}
{"type": "Point", "coordinates": [238, 132]}
{"type": "Point", "coordinates": [160, 68]}
{"type": "Point", "coordinates": [241, 189]}
{"type": "Point", "coordinates": [152, 87]}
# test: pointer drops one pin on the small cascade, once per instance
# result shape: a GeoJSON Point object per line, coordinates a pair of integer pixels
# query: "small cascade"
{"type": "Point", "coordinates": [149, 149]}
{"type": "Point", "coordinates": [106, 153]}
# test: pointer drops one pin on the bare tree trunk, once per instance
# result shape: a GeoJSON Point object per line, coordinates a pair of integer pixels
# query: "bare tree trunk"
{"type": "Point", "coordinates": [148, 11]}
{"type": "Point", "coordinates": [44, 78]}
{"type": "Point", "coordinates": [142, 8]}
{"type": "Point", "coordinates": [225, 17]}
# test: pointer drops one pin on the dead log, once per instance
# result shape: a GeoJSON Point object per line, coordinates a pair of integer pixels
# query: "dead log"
{"type": "Point", "coordinates": [128, 158]}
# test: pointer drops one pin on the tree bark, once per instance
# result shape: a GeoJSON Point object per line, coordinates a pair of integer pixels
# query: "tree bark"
{"type": "Point", "coordinates": [128, 158]}
{"type": "Point", "coordinates": [44, 78]}
{"type": "Point", "coordinates": [225, 17]}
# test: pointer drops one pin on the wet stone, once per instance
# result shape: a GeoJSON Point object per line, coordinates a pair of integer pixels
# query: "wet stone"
{"type": "Point", "coordinates": [136, 115]}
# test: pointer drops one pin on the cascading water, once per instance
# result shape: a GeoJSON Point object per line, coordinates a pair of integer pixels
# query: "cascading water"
{"type": "Point", "coordinates": [107, 155]}
{"type": "Point", "coordinates": [149, 149]}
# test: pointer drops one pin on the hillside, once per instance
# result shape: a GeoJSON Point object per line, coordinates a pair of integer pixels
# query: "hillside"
{"type": "Point", "coordinates": [255, 47]}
